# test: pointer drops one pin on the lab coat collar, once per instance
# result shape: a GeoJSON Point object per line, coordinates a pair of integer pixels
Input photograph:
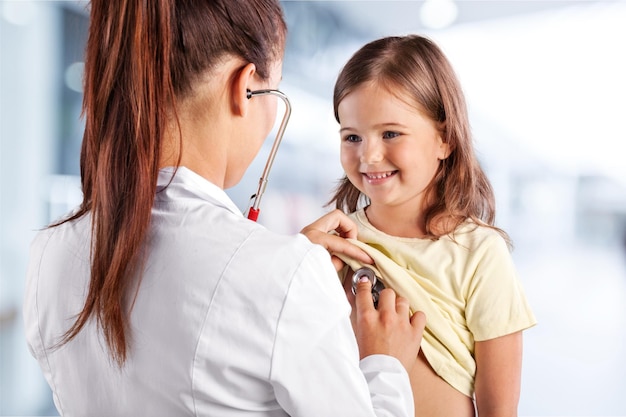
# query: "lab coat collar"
{"type": "Point", "coordinates": [182, 181]}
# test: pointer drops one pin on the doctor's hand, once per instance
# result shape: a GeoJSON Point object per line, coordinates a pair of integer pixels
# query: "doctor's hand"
{"type": "Point", "coordinates": [387, 330]}
{"type": "Point", "coordinates": [331, 231]}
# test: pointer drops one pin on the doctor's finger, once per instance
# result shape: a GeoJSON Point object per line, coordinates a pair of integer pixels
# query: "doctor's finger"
{"type": "Point", "coordinates": [340, 246]}
{"type": "Point", "coordinates": [337, 262]}
{"type": "Point", "coordinates": [336, 221]}
{"type": "Point", "coordinates": [387, 301]}
{"type": "Point", "coordinates": [418, 321]}
{"type": "Point", "coordinates": [402, 305]}
{"type": "Point", "coordinates": [363, 299]}
{"type": "Point", "coordinates": [337, 245]}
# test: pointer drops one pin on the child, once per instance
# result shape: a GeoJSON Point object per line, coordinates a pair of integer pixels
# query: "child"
{"type": "Point", "coordinates": [425, 215]}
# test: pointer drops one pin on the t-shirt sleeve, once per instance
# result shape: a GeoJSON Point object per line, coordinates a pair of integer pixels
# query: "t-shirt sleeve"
{"type": "Point", "coordinates": [496, 302]}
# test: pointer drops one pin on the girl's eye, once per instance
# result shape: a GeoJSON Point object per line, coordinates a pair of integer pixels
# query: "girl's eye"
{"type": "Point", "coordinates": [352, 138]}
{"type": "Point", "coordinates": [390, 135]}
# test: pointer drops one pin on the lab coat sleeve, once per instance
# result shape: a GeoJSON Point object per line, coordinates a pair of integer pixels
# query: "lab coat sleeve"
{"type": "Point", "coordinates": [315, 365]}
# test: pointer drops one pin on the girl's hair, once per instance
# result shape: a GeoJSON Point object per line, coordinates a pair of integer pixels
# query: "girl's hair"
{"type": "Point", "coordinates": [412, 67]}
{"type": "Point", "coordinates": [141, 57]}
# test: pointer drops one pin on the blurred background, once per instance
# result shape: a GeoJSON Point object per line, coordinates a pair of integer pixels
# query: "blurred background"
{"type": "Point", "coordinates": [546, 87]}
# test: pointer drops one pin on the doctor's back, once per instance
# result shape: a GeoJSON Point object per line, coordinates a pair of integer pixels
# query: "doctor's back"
{"type": "Point", "coordinates": [216, 320]}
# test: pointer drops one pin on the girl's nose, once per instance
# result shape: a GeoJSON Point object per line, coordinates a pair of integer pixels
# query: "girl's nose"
{"type": "Point", "coordinates": [371, 152]}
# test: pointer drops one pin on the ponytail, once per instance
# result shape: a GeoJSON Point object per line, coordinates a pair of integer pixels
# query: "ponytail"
{"type": "Point", "coordinates": [128, 90]}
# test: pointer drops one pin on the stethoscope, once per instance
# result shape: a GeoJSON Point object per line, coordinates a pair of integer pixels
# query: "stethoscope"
{"type": "Point", "coordinates": [253, 211]}
{"type": "Point", "coordinates": [377, 285]}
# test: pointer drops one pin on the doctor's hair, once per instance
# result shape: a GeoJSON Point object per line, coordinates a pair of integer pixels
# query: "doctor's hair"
{"type": "Point", "coordinates": [142, 57]}
{"type": "Point", "coordinates": [416, 71]}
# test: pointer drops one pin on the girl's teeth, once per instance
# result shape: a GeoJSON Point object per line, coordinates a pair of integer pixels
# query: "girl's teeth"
{"type": "Point", "coordinates": [379, 176]}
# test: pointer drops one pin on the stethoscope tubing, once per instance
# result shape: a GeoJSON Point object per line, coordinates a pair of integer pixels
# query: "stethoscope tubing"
{"type": "Point", "coordinates": [253, 212]}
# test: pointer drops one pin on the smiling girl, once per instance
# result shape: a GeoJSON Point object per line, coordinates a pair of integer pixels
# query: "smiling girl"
{"type": "Point", "coordinates": [425, 214]}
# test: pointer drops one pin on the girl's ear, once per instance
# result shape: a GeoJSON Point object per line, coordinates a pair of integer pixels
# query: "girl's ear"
{"type": "Point", "coordinates": [240, 86]}
{"type": "Point", "coordinates": [444, 149]}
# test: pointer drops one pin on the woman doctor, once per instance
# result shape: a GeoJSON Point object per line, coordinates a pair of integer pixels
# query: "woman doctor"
{"type": "Point", "coordinates": [156, 297]}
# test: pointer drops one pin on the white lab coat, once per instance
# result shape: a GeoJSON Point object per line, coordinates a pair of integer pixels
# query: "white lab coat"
{"type": "Point", "coordinates": [230, 319]}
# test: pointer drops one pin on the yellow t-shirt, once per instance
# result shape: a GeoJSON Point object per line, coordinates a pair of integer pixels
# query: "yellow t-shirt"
{"type": "Point", "coordinates": [468, 289]}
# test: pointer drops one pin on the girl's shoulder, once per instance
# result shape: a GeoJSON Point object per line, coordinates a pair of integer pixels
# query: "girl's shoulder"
{"type": "Point", "coordinates": [473, 236]}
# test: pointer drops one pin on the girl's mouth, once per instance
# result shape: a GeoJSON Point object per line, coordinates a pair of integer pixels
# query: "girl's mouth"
{"type": "Point", "coordinates": [377, 177]}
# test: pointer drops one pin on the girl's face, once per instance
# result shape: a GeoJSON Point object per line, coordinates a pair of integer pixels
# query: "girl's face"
{"type": "Point", "coordinates": [390, 151]}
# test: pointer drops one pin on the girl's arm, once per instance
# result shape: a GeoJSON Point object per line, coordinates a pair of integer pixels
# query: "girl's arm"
{"type": "Point", "coordinates": [498, 375]}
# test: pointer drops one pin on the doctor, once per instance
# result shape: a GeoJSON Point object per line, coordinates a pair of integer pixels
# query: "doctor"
{"type": "Point", "coordinates": [156, 297]}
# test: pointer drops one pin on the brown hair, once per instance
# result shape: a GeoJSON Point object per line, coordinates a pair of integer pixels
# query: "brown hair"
{"type": "Point", "coordinates": [142, 56]}
{"type": "Point", "coordinates": [414, 67]}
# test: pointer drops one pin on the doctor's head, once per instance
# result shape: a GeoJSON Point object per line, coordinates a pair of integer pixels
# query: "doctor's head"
{"type": "Point", "coordinates": [151, 68]}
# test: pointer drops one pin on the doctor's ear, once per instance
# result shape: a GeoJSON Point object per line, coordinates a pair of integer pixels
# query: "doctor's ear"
{"type": "Point", "coordinates": [241, 88]}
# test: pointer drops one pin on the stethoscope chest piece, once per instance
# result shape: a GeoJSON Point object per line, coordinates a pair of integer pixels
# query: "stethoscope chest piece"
{"type": "Point", "coordinates": [377, 285]}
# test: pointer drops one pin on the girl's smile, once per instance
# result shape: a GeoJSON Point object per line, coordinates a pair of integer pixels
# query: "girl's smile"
{"type": "Point", "coordinates": [375, 178]}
